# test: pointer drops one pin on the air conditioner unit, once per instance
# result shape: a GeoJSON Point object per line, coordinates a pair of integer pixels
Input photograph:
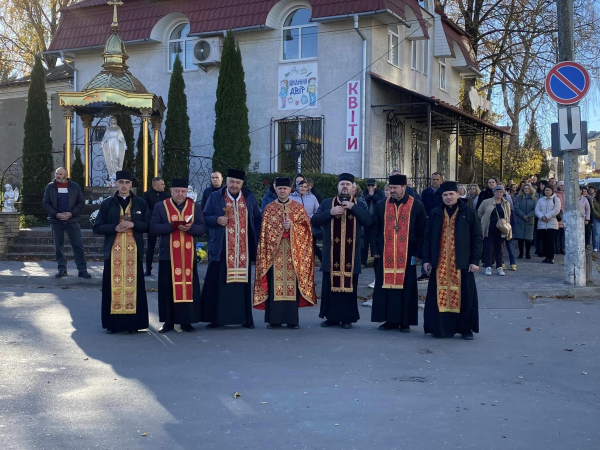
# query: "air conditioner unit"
{"type": "Point", "coordinates": [207, 52]}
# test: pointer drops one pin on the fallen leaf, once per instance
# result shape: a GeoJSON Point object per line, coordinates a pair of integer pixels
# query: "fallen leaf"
{"type": "Point", "coordinates": [568, 349]}
{"type": "Point", "coordinates": [526, 356]}
{"type": "Point", "coordinates": [263, 403]}
{"type": "Point", "coordinates": [86, 359]}
{"type": "Point", "coordinates": [527, 329]}
{"type": "Point", "coordinates": [585, 373]}
{"type": "Point", "coordinates": [528, 317]}
{"type": "Point", "coordinates": [337, 424]}
{"type": "Point", "coordinates": [236, 394]}
{"type": "Point", "coordinates": [144, 434]}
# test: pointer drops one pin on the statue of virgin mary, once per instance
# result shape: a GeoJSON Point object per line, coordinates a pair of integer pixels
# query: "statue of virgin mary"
{"type": "Point", "coordinates": [113, 147]}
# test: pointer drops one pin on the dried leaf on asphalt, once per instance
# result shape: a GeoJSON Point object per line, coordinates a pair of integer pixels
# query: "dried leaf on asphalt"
{"type": "Point", "coordinates": [263, 403]}
{"type": "Point", "coordinates": [568, 349]}
{"type": "Point", "coordinates": [236, 394]}
{"type": "Point", "coordinates": [144, 434]}
{"type": "Point", "coordinates": [585, 373]}
{"type": "Point", "coordinates": [527, 329]}
{"type": "Point", "coordinates": [66, 287]}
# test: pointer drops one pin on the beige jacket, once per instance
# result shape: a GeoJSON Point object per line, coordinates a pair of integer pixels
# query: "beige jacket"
{"type": "Point", "coordinates": [485, 212]}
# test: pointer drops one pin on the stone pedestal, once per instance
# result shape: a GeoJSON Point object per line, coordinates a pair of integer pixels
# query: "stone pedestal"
{"type": "Point", "coordinates": [11, 224]}
{"type": "Point", "coordinates": [3, 242]}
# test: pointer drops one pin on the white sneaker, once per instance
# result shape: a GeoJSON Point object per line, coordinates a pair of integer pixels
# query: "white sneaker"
{"type": "Point", "coordinates": [500, 271]}
{"type": "Point", "coordinates": [372, 285]}
{"type": "Point", "coordinates": [595, 249]}
{"type": "Point", "coordinates": [368, 303]}
{"type": "Point", "coordinates": [488, 271]}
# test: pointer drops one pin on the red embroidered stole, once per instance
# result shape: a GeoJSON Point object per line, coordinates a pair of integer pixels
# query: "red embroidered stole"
{"type": "Point", "coordinates": [182, 252]}
{"type": "Point", "coordinates": [236, 248]}
{"type": "Point", "coordinates": [395, 247]}
{"type": "Point", "coordinates": [123, 270]}
{"type": "Point", "coordinates": [448, 277]}
{"type": "Point", "coordinates": [343, 235]}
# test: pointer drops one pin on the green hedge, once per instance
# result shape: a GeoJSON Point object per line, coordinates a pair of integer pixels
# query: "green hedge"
{"type": "Point", "coordinates": [325, 183]}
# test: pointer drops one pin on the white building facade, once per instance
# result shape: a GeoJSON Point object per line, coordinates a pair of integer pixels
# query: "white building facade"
{"type": "Point", "coordinates": [369, 90]}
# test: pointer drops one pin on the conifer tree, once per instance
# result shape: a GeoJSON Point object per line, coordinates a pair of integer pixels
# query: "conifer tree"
{"type": "Point", "coordinates": [38, 164]}
{"type": "Point", "coordinates": [177, 129]}
{"type": "Point", "coordinates": [230, 139]}
{"type": "Point", "coordinates": [139, 159]}
{"type": "Point", "coordinates": [78, 169]}
{"type": "Point", "coordinates": [124, 122]}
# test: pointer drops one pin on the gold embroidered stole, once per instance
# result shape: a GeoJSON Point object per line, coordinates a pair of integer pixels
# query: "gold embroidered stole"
{"type": "Point", "coordinates": [396, 230]}
{"type": "Point", "coordinates": [343, 235]}
{"type": "Point", "coordinates": [448, 277]}
{"type": "Point", "coordinates": [236, 248]}
{"type": "Point", "coordinates": [182, 252]}
{"type": "Point", "coordinates": [123, 270]}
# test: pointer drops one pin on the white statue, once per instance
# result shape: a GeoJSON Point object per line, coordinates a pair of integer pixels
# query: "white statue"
{"type": "Point", "coordinates": [113, 146]}
{"type": "Point", "coordinates": [192, 193]}
{"type": "Point", "coordinates": [10, 197]}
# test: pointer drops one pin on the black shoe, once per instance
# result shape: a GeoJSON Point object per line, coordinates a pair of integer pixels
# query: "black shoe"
{"type": "Point", "coordinates": [405, 330]}
{"type": "Point", "coordinates": [520, 256]}
{"type": "Point", "coordinates": [550, 261]}
{"type": "Point", "coordinates": [270, 326]}
{"type": "Point", "coordinates": [133, 331]}
{"type": "Point", "coordinates": [148, 273]}
{"type": "Point", "coordinates": [545, 261]}
{"type": "Point", "coordinates": [293, 326]}
{"type": "Point", "coordinates": [562, 252]}
{"type": "Point", "coordinates": [187, 328]}
{"type": "Point", "coordinates": [250, 326]}
{"type": "Point", "coordinates": [166, 328]}
{"type": "Point", "coordinates": [329, 323]}
{"type": "Point", "coordinates": [61, 273]}
{"type": "Point", "coordinates": [85, 275]}
{"type": "Point", "coordinates": [423, 277]}
{"type": "Point", "coordinates": [213, 325]}
{"type": "Point", "coordinates": [389, 326]}
{"type": "Point", "coordinates": [527, 256]}
{"type": "Point", "coordinates": [346, 326]}
{"type": "Point", "coordinates": [468, 336]}
{"type": "Point", "coordinates": [109, 331]}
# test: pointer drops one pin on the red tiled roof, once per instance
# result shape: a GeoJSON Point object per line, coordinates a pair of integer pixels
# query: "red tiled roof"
{"type": "Point", "coordinates": [455, 34]}
{"type": "Point", "coordinates": [87, 23]}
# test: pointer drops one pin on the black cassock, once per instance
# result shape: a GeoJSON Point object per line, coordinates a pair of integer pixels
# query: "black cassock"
{"type": "Point", "coordinates": [168, 310]}
{"type": "Point", "coordinates": [226, 303]}
{"type": "Point", "coordinates": [108, 218]}
{"type": "Point", "coordinates": [399, 306]}
{"type": "Point", "coordinates": [469, 244]}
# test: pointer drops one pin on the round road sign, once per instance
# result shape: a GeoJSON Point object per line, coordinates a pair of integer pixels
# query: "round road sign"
{"type": "Point", "coordinates": [567, 82]}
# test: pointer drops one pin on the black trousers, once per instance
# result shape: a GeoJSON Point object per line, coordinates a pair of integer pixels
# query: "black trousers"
{"type": "Point", "coordinates": [559, 241]}
{"type": "Point", "coordinates": [493, 243]}
{"type": "Point", "coordinates": [152, 238]}
{"type": "Point", "coordinates": [588, 233]}
{"type": "Point", "coordinates": [527, 246]}
{"type": "Point", "coordinates": [547, 237]}
{"type": "Point", "coordinates": [73, 230]}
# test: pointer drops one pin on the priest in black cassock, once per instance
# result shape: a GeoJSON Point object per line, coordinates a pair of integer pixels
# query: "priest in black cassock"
{"type": "Point", "coordinates": [451, 252]}
{"type": "Point", "coordinates": [233, 219]}
{"type": "Point", "coordinates": [123, 219]}
{"type": "Point", "coordinates": [177, 221]}
{"type": "Point", "coordinates": [341, 218]}
{"type": "Point", "coordinates": [397, 232]}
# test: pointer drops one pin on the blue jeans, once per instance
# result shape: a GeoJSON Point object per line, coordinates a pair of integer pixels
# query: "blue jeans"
{"type": "Point", "coordinates": [511, 252]}
{"type": "Point", "coordinates": [73, 230]}
{"type": "Point", "coordinates": [596, 233]}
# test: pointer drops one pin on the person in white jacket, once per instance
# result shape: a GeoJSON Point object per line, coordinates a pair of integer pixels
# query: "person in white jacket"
{"type": "Point", "coordinates": [546, 210]}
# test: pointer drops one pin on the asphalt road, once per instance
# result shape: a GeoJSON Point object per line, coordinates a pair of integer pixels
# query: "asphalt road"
{"type": "Point", "coordinates": [530, 380]}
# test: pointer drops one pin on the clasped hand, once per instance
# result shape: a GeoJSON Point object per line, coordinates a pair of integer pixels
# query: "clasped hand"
{"type": "Point", "coordinates": [124, 226]}
{"type": "Point", "coordinates": [339, 210]}
{"type": "Point", "coordinates": [287, 223]}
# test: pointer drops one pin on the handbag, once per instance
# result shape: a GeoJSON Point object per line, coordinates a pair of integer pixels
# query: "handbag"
{"type": "Point", "coordinates": [503, 225]}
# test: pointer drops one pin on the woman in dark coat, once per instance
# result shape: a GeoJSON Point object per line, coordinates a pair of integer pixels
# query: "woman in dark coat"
{"type": "Point", "coordinates": [525, 219]}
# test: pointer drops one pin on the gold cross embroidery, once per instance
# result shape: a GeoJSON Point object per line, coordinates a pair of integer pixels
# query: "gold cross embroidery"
{"type": "Point", "coordinates": [336, 265]}
{"type": "Point", "coordinates": [396, 228]}
{"type": "Point", "coordinates": [337, 240]}
{"type": "Point", "coordinates": [349, 240]}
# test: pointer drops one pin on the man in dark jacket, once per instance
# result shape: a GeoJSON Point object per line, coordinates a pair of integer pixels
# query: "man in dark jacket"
{"type": "Point", "coordinates": [63, 201]}
{"type": "Point", "coordinates": [341, 218]}
{"type": "Point", "coordinates": [371, 195]}
{"type": "Point", "coordinates": [430, 196]}
{"type": "Point", "coordinates": [155, 195]}
{"type": "Point", "coordinates": [233, 219]}
{"type": "Point", "coordinates": [216, 182]}
{"type": "Point", "coordinates": [123, 219]}
{"type": "Point", "coordinates": [451, 251]}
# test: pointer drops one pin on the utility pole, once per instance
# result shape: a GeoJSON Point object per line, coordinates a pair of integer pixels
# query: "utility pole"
{"type": "Point", "coordinates": [574, 226]}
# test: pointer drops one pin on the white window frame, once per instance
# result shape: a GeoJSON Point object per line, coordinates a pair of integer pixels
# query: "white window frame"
{"type": "Point", "coordinates": [183, 41]}
{"type": "Point", "coordinates": [414, 56]}
{"type": "Point", "coordinates": [299, 27]}
{"type": "Point", "coordinates": [391, 48]}
{"type": "Point", "coordinates": [443, 75]}
{"type": "Point", "coordinates": [426, 57]}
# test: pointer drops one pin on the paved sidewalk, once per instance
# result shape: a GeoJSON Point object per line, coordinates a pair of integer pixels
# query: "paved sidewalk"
{"type": "Point", "coordinates": [531, 277]}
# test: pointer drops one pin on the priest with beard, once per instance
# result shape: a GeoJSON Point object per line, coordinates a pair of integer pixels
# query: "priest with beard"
{"type": "Point", "coordinates": [398, 228]}
{"type": "Point", "coordinates": [123, 219]}
{"type": "Point", "coordinates": [341, 218]}
{"type": "Point", "coordinates": [285, 262]}
{"type": "Point", "coordinates": [177, 221]}
{"type": "Point", "coordinates": [233, 219]}
{"type": "Point", "coordinates": [451, 252]}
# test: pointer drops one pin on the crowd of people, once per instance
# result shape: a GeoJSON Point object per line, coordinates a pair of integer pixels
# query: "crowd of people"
{"type": "Point", "coordinates": [448, 229]}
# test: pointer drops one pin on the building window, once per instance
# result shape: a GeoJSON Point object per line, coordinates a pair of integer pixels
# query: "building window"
{"type": "Point", "coordinates": [182, 45]}
{"type": "Point", "coordinates": [393, 46]}
{"type": "Point", "coordinates": [426, 57]}
{"type": "Point", "coordinates": [311, 130]}
{"type": "Point", "coordinates": [443, 74]}
{"type": "Point", "coordinates": [300, 38]}
{"type": "Point", "coordinates": [414, 60]}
